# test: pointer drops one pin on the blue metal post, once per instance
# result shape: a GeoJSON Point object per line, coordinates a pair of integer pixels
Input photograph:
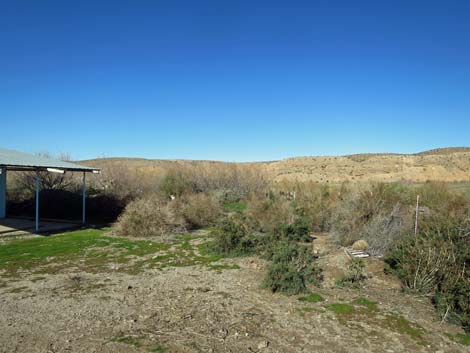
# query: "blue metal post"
{"type": "Point", "coordinates": [3, 192]}
{"type": "Point", "coordinates": [84, 198]}
{"type": "Point", "coordinates": [36, 182]}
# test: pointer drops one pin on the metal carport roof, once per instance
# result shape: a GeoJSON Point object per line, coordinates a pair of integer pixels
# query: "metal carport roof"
{"type": "Point", "coordinates": [19, 161]}
{"type": "Point", "coordinates": [14, 160]}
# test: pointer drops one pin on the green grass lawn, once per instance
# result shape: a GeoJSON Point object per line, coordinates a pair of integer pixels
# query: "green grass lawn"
{"type": "Point", "coordinates": [91, 250]}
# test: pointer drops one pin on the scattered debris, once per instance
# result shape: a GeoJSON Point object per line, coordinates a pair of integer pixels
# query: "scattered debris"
{"type": "Point", "coordinates": [357, 253]}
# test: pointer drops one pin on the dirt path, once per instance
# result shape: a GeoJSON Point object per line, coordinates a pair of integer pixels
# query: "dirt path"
{"type": "Point", "coordinates": [196, 309]}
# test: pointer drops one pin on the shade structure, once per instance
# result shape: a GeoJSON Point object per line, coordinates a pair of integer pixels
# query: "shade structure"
{"type": "Point", "coordinates": [20, 161]}
{"type": "Point", "coordinates": [14, 160]}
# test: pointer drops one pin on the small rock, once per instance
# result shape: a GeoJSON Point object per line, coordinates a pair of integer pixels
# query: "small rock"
{"type": "Point", "coordinates": [263, 344]}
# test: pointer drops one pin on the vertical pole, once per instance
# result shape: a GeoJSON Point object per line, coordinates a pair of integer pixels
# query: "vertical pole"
{"type": "Point", "coordinates": [36, 182]}
{"type": "Point", "coordinates": [3, 192]}
{"type": "Point", "coordinates": [416, 217]}
{"type": "Point", "coordinates": [84, 198]}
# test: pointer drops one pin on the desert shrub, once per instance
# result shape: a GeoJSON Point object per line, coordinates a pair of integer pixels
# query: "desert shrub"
{"type": "Point", "coordinates": [435, 195]}
{"type": "Point", "coordinates": [240, 180]}
{"type": "Point", "coordinates": [231, 195]}
{"type": "Point", "coordinates": [233, 238]}
{"type": "Point", "coordinates": [292, 268]}
{"type": "Point", "coordinates": [150, 216]}
{"type": "Point", "coordinates": [347, 217]}
{"type": "Point", "coordinates": [283, 234]}
{"type": "Point", "coordinates": [380, 213]}
{"type": "Point", "coordinates": [268, 213]}
{"type": "Point", "coordinates": [200, 210]}
{"type": "Point", "coordinates": [175, 183]}
{"type": "Point", "coordinates": [445, 208]}
{"type": "Point", "coordinates": [355, 276]}
{"type": "Point", "coordinates": [122, 182]}
{"type": "Point", "coordinates": [436, 264]}
{"type": "Point", "coordinates": [297, 231]}
{"type": "Point", "coordinates": [315, 203]}
{"type": "Point", "coordinates": [384, 229]}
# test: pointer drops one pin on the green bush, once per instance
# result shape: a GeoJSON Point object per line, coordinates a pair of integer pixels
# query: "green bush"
{"type": "Point", "coordinates": [292, 268]}
{"type": "Point", "coordinates": [436, 263]}
{"type": "Point", "coordinates": [297, 231]}
{"type": "Point", "coordinates": [232, 238]}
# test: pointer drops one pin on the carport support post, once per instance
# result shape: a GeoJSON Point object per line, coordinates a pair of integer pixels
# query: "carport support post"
{"type": "Point", "coordinates": [84, 198]}
{"type": "Point", "coordinates": [36, 185]}
{"type": "Point", "coordinates": [3, 192]}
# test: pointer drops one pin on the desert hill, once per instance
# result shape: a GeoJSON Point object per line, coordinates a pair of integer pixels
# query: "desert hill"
{"type": "Point", "coordinates": [442, 164]}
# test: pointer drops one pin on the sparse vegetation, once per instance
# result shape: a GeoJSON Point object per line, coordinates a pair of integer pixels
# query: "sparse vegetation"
{"type": "Point", "coordinates": [249, 216]}
{"type": "Point", "coordinates": [462, 338]}
{"type": "Point", "coordinates": [312, 298]}
{"type": "Point", "coordinates": [92, 251]}
{"type": "Point", "coordinates": [400, 324]}
{"type": "Point", "coordinates": [273, 223]}
{"type": "Point", "coordinates": [292, 269]}
{"type": "Point", "coordinates": [340, 308]}
{"type": "Point", "coordinates": [375, 214]}
{"type": "Point", "coordinates": [150, 216]}
{"type": "Point", "coordinates": [299, 230]}
{"type": "Point", "coordinates": [233, 238]}
{"type": "Point", "coordinates": [157, 349]}
{"type": "Point", "coordinates": [435, 264]}
{"type": "Point", "coordinates": [200, 210]}
{"type": "Point", "coordinates": [355, 277]}
{"type": "Point", "coordinates": [237, 206]}
{"type": "Point", "coordinates": [129, 340]}
{"type": "Point", "coordinates": [369, 304]}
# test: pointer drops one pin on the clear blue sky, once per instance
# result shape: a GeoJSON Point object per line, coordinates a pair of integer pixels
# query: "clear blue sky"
{"type": "Point", "coordinates": [233, 80]}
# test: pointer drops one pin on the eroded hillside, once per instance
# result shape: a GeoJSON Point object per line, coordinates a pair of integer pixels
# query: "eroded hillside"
{"type": "Point", "coordinates": [444, 164]}
{"type": "Point", "coordinates": [453, 166]}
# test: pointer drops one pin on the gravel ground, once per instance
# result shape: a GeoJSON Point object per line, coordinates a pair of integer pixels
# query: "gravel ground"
{"type": "Point", "coordinates": [196, 309]}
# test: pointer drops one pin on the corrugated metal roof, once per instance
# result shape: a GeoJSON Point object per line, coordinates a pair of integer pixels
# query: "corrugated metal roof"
{"type": "Point", "coordinates": [20, 160]}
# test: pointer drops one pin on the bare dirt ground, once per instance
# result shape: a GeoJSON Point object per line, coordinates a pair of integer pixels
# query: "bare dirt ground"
{"type": "Point", "coordinates": [198, 309]}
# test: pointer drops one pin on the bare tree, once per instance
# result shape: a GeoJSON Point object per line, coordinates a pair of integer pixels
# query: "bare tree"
{"type": "Point", "coordinates": [47, 181]}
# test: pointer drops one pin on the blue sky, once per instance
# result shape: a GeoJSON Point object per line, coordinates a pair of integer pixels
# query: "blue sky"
{"type": "Point", "coordinates": [233, 80]}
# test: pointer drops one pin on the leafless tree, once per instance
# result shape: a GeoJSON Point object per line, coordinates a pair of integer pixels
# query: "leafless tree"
{"type": "Point", "coordinates": [25, 181]}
